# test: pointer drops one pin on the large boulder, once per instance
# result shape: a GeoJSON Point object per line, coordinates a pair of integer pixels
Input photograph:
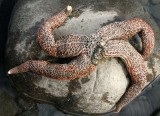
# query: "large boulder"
{"type": "Point", "coordinates": [99, 91]}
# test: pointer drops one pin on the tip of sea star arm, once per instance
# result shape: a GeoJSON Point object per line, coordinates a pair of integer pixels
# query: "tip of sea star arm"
{"type": "Point", "coordinates": [9, 72]}
{"type": "Point", "coordinates": [69, 9]}
{"type": "Point", "coordinates": [12, 71]}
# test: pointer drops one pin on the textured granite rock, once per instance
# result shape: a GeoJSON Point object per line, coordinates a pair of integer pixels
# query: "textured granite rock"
{"type": "Point", "coordinates": [96, 93]}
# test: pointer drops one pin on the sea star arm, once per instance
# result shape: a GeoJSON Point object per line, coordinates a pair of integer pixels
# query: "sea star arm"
{"type": "Point", "coordinates": [135, 65]}
{"type": "Point", "coordinates": [66, 46]}
{"type": "Point", "coordinates": [46, 38]}
{"type": "Point", "coordinates": [78, 67]}
{"type": "Point", "coordinates": [125, 30]}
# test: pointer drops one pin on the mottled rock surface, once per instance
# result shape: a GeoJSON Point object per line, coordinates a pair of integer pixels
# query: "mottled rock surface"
{"type": "Point", "coordinates": [96, 93]}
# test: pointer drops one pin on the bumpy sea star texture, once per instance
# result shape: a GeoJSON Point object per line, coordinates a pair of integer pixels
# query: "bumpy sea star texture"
{"type": "Point", "coordinates": [134, 63]}
{"type": "Point", "coordinates": [113, 41]}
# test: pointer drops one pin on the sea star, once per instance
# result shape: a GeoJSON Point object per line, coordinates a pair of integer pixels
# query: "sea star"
{"type": "Point", "coordinates": [110, 38]}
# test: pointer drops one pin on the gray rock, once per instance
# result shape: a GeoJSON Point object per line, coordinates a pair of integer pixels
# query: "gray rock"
{"type": "Point", "coordinates": [49, 110]}
{"type": "Point", "coordinates": [8, 106]}
{"type": "Point", "coordinates": [25, 104]}
{"type": "Point", "coordinates": [99, 91]}
{"type": "Point", "coordinates": [154, 11]}
{"type": "Point", "coordinates": [144, 2]}
{"type": "Point", "coordinates": [155, 1]}
{"type": "Point", "coordinates": [31, 112]}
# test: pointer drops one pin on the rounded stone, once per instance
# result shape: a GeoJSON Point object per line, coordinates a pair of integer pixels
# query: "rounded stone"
{"type": "Point", "coordinates": [100, 90]}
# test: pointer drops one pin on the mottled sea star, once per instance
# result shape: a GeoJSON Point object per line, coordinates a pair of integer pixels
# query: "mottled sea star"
{"type": "Point", "coordinates": [113, 41]}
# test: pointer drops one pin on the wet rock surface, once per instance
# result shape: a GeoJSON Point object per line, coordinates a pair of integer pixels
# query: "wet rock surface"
{"type": "Point", "coordinates": [132, 109]}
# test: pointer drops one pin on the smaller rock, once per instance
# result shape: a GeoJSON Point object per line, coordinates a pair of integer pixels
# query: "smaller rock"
{"type": "Point", "coordinates": [8, 106]}
{"type": "Point", "coordinates": [25, 104]}
{"type": "Point", "coordinates": [49, 110]}
{"type": "Point", "coordinates": [31, 112]}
